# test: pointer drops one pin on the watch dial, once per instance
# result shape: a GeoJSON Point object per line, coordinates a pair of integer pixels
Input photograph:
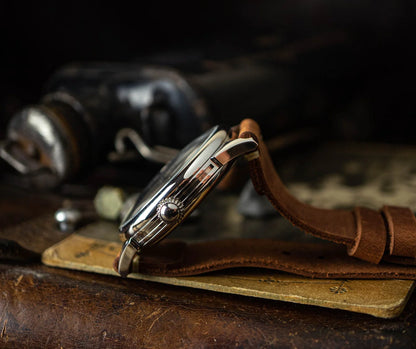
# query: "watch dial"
{"type": "Point", "coordinates": [160, 181]}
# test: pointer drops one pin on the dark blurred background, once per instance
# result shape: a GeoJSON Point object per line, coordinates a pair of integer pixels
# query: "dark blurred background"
{"type": "Point", "coordinates": [356, 57]}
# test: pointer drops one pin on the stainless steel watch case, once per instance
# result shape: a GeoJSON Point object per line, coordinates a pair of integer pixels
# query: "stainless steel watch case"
{"type": "Point", "coordinates": [178, 188]}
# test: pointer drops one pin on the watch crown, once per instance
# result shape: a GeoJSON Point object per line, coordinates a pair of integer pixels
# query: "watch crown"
{"type": "Point", "coordinates": [170, 210]}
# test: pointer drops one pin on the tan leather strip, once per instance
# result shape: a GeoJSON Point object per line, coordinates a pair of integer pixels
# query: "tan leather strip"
{"type": "Point", "coordinates": [363, 231]}
{"type": "Point", "coordinates": [326, 260]}
{"type": "Point", "coordinates": [401, 230]}
{"type": "Point", "coordinates": [371, 236]}
{"type": "Point", "coordinates": [335, 225]}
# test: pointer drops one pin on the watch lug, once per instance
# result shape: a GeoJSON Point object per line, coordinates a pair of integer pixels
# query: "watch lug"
{"type": "Point", "coordinates": [234, 149]}
{"type": "Point", "coordinates": [127, 255]}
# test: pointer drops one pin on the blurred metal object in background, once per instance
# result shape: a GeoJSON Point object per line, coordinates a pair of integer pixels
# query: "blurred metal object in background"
{"type": "Point", "coordinates": [75, 124]}
{"type": "Point", "coordinates": [157, 153]}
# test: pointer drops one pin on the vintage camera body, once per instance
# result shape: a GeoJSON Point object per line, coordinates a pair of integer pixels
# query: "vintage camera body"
{"type": "Point", "coordinates": [85, 107]}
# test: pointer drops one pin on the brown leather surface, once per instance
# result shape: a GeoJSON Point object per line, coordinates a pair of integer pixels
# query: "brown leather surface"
{"type": "Point", "coordinates": [335, 225]}
{"type": "Point", "coordinates": [370, 241]}
{"type": "Point", "coordinates": [326, 260]}
{"type": "Point", "coordinates": [43, 307]}
{"type": "Point", "coordinates": [363, 231]}
{"type": "Point", "coordinates": [401, 224]}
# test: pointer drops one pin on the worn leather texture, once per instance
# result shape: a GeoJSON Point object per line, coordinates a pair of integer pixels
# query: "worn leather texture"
{"type": "Point", "coordinates": [364, 231]}
{"type": "Point", "coordinates": [326, 260]}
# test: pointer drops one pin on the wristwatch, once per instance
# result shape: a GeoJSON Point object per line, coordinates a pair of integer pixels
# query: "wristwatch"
{"type": "Point", "coordinates": [178, 188]}
{"type": "Point", "coordinates": [369, 235]}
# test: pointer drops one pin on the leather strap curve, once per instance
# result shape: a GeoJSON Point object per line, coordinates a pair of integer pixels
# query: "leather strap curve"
{"type": "Point", "coordinates": [325, 260]}
{"type": "Point", "coordinates": [367, 234]}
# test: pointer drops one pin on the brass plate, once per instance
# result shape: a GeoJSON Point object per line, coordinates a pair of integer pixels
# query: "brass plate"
{"type": "Point", "coordinates": [380, 298]}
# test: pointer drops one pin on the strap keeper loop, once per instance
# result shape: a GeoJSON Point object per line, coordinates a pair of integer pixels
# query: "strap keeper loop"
{"type": "Point", "coordinates": [370, 241]}
{"type": "Point", "coordinates": [401, 224]}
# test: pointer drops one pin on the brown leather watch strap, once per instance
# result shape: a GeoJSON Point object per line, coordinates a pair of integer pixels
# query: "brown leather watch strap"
{"type": "Point", "coordinates": [325, 260]}
{"type": "Point", "coordinates": [401, 224]}
{"type": "Point", "coordinates": [370, 238]}
{"type": "Point", "coordinates": [362, 230]}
